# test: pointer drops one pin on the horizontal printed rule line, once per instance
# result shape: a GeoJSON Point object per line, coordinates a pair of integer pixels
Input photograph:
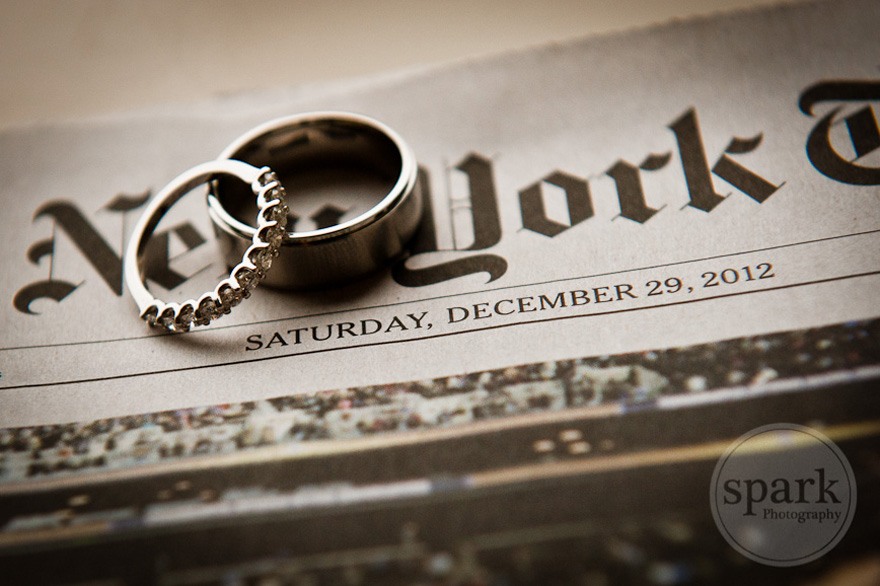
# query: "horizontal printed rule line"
{"type": "Point", "coordinates": [215, 328]}
{"type": "Point", "coordinates": [446, 334]}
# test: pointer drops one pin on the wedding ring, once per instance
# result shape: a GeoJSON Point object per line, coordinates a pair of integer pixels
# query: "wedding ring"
{"type": "Point", "coordinates": [295, 146]}
{"type": "Point", "coordinates": [255, 260]}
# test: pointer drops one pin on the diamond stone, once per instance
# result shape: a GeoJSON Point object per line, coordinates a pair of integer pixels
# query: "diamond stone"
{"type": "Point", "coordinates": [229, 297]}
{"type": "Point", "coordinates": [185, 317]}
{"type": "Point", "coordinates": [150, 314]}
{"type": "Point", "coordinates": [268, 177]}
{"type": "Point", "coordinates": [266, 216]}
{"type": "Point", "coordinates": [261, 258]}
{"type": "Point", "coordinates": [271, 196]}
{"type": "Point", "coordinates": [247, 280]}
{"type": "Point", "coordinates": [166, 320]}
{"type": "Point", "coordinates": [276, 213]}
{"type": "Point", "coordinates": [206, 311]}
{"type": "Point", "coordinates": [272, 235]}
{"type": "Point", "coordinates": [266, 258]}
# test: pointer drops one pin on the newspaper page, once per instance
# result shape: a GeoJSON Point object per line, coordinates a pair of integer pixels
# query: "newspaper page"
{"type": "Point", "coordinates": [637, 249]}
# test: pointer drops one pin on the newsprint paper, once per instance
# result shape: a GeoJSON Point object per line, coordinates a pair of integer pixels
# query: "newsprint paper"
{"type": "Point", "coordinates": [638, 248]}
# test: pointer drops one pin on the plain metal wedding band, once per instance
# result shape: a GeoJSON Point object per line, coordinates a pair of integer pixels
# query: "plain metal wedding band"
{"type": "Point", "coordinates": [255, 260]}
{"type": "Point", "coordinates": [339, 253]}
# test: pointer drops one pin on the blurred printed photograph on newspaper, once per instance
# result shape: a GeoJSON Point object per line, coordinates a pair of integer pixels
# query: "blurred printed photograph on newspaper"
{"type": "Point", "coordinates": [591, 470]}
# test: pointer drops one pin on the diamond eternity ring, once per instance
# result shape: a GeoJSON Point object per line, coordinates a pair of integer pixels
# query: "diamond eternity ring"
{"type": "Point", "coordinates": [271, 223]}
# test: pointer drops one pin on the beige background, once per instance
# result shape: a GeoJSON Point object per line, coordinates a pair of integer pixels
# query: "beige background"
{"type": "Point", "coordinates": [73, 58]}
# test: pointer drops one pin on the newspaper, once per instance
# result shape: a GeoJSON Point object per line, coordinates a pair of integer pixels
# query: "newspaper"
{"type": "Point", "coordinates": [654, 222]}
